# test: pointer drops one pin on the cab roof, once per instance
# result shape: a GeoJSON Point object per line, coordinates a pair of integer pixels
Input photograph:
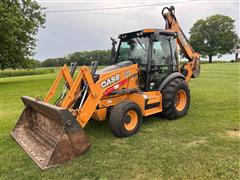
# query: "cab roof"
{"type": "Point", "coordinates": [146, 32]}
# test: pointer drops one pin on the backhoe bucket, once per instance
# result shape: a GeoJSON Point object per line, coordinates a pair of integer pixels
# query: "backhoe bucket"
{"type": "Point", "coordinates": [49, 134]}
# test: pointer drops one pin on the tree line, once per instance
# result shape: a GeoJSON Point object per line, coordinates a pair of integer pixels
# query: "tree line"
{"type": "Point", "coordinates": [82, 58]}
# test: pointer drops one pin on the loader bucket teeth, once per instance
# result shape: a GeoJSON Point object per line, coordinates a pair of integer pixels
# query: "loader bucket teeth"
{"type": "Point", "coordinates": [50, 135]}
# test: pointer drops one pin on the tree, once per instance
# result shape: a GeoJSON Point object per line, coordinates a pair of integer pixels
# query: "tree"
{"type": "Point", "coordinates": [19, 23]}
{"type": "Point", "coordinates": [214, 36]}
{"type": "Point", "coordinates": [30, 64]}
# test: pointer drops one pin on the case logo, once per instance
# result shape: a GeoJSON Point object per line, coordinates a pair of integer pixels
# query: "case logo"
{"type": "Point", "coordinates": [110, 81]}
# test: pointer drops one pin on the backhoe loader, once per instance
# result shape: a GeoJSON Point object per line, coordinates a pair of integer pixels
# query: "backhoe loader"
{"type": "Point", "coordinates": [145, 79]}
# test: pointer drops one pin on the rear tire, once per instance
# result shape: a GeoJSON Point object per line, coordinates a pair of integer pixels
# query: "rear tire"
{"type": "Point", "coordinates": [176, 99]}
{"type": "Point", "coordinates": [125, 119]}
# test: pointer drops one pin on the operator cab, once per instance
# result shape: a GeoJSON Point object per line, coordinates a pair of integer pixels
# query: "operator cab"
{"type": "Point", "coordinates": [155, 52]}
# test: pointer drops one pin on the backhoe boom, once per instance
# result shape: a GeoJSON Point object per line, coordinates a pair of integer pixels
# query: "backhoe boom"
{"type": "Point", "coordinates": [193, 67]}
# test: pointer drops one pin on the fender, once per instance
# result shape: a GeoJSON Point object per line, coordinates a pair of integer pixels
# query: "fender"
{"type": "Point", "coordinates": [169, 78]}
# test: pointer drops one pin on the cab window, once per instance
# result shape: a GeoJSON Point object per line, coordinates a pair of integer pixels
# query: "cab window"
{"type": "Point", "coordinates": [135, 49]}
{"type": "Point", "coordinates": [161, 52]}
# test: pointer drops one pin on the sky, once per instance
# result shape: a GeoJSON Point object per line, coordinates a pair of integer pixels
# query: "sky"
{"type": "Point", "coordinates": [68, 32]}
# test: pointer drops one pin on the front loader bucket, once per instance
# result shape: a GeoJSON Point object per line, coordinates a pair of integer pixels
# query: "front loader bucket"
{"type": "Point", "coordinates": [49, 134]}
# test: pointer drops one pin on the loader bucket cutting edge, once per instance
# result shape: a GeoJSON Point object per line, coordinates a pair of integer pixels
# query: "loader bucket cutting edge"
{"type": "Point", "coordinates": [49, 134]}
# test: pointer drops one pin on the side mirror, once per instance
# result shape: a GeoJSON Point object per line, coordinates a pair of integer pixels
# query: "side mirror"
{"type": "Point", "coordinates": [113, 51]}
{"type": "Point", "coordinates": [113, 40]}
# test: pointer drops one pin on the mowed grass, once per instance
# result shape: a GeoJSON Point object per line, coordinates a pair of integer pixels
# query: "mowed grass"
{"type": "Point", "coordinates": [25, 72]}
{"type": "Point", "coordinates": [205, 144]}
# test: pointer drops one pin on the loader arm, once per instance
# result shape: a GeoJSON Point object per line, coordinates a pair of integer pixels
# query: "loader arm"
{"type": "Point", "coordinates": [95, 92]}
{"type": "Point", "coordinates": [63, 73]}
{"type": "Point", "coordinates": [193, 67]}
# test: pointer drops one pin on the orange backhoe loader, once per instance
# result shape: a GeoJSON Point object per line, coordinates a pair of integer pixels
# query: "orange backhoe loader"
{"type": "Point", "coordinates": [146, 78]}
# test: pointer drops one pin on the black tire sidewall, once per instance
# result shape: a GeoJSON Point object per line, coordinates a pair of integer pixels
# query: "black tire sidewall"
{"type": "Point", "coordinates": [169, 94]}
{"type": "Point", "coordinates": [136, 108]}
{"type": "Point", "coordinates": [117, 115]}
{"type": "Point", "coordinates": [185, 88]}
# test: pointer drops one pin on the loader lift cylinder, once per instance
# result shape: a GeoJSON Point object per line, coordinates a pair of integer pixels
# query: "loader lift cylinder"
{"type": "Point", "coordinates": [73, 67]}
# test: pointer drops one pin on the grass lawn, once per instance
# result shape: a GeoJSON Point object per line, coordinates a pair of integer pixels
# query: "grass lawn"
{"type": "Point", "coordinates": [205, 144]}
{"type": "Point", "coordinates": [25, 72]}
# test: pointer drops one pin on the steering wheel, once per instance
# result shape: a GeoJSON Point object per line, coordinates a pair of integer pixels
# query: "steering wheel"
{"type": "Point", "coordinates": [136, 60]}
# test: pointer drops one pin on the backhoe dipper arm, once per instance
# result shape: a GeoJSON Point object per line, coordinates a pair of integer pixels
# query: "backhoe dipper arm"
{"type": "Point", "coordinates": [193, 67]}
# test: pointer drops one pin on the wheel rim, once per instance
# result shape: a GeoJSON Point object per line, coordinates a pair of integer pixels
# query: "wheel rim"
{"type": "Point", "coordinates": [130, 120]}
{"type": "Point", "coordinates": [181, 100]}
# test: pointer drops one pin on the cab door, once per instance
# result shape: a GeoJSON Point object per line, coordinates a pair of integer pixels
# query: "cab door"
{"type": "Point", "coordinates": [163, 59]}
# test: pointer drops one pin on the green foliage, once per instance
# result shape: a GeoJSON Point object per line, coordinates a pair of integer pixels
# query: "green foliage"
{"type": "Point", "coordinates": [83, 58]}
{"type": "Point", "coordinates": [53, 62]}
{"type": "Point", "coordinates": [197, 146]}
{"type": "Point", "coordinates": [213, 36]}
{"type": "Point", "coordinates": [30, 64]}
{"type": "Point", "coordinates": [19, 23]}
{"type": "Point", "coordinates": [24, 72]}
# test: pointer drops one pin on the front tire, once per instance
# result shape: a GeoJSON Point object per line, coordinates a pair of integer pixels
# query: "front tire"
{"type": "Point", "coordinates": [125, 119]}
{"type": "Point", "coordinates": [176, 99]}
